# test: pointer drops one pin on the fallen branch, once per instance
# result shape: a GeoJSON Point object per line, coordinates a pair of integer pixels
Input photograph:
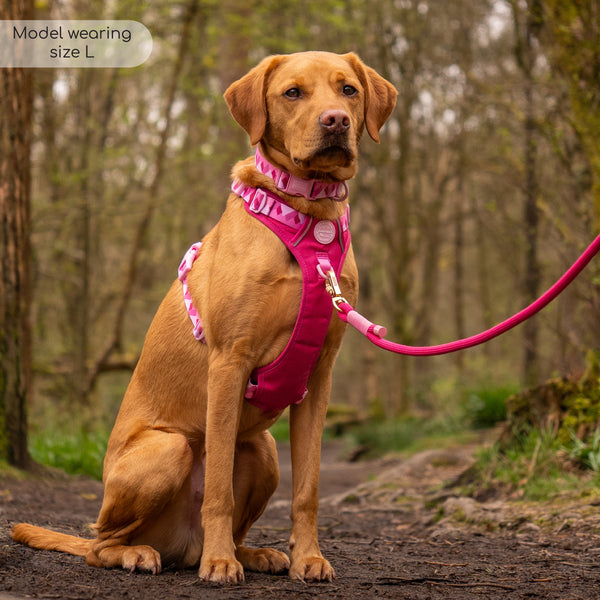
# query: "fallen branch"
{"type": "Point", "coordinates": [443, 564]}
{"type": "Point", "coordinates": [440, 581]}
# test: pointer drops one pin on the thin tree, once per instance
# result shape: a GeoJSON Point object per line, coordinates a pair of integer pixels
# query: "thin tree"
{"type": "Point", "coordinates": [525, 34]}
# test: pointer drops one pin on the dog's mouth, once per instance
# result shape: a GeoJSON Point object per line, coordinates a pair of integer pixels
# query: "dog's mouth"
{"type": "Point", "coordinates": [327, 158]}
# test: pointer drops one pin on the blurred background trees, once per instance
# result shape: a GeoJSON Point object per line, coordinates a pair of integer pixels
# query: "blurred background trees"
{"type": "Point", "coordinates": [485, 187]}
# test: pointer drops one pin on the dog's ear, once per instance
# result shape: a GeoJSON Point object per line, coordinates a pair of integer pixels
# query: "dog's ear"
{"type": "Point", "coordinates": [380, 95]}
{"type": "Point", "coordinates": [246, 98]}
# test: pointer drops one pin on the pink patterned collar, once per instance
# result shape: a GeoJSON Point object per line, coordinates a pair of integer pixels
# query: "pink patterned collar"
{"type": "Point", "coordinates": [311, 189]}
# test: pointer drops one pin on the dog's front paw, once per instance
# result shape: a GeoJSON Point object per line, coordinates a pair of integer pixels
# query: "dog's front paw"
{"type": "Point", "coordinates": [221, 570]}
{"type": "Point", "coordinates": [312, 568]}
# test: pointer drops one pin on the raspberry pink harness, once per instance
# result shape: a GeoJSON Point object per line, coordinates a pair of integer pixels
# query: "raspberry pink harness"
{"type": "Point", "coordinates": [319, 247]}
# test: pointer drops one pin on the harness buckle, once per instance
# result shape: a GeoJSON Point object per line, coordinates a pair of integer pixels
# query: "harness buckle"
{"type": "Point", "coordinates": [332, 287]}
{"type": "Point", "coordinates": [259, 202]}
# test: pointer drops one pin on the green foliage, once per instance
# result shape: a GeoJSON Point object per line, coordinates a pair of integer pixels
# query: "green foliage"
{"type": "Point", "coordinates": [410, 433]}
{"type": "Point", "coordinates": [77, 452]}
{"type": "Point", "coordinates": [451, 413]}
{"type": "Point", "coordinates": [281, 430]}
{"type": "Point", "coordinates": [585, 454]}
{"type": "Point", "coordinates": [486, 406]}
{"type": "Point", "coordinates": [388, 435]}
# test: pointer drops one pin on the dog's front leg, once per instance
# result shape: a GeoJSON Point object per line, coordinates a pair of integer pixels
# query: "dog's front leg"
{"type": "Point", "coordinates": [306, 427]}
{"type": "Point", "coordinates": [218, 563]}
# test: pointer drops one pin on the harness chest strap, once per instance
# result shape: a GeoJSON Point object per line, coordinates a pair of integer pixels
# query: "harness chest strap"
{"type": "Point", "coordinates": [320, 247]}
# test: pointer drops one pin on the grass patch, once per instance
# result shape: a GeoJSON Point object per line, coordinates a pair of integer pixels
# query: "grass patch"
{"type": "Point", "coordinates": [385, 436]}
{"type": "Point", "coordinates": [486, 405]}
{"type": "Point", "coordinates": [280, 430]}
{"type": "Point", "coordinates": [77, 452]}
{"type": "Point", "coordinates": [456, 414]}
{"type": "Point", "coordinates": [408, 434]}
{"type": "Point", "coordinates": [535, 468]}
{"type": "Point", "coordinates": [7, 470]}
{"type": "Point", "coordinates": [585, 453]}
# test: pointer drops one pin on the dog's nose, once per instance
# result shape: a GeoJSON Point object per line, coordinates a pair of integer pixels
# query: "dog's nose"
{"type": "Point", "coordinates": [334, 121]}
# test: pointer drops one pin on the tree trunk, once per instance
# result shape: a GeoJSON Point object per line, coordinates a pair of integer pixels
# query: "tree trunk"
{"type": "Point", "coordinates": [483, 273]}
{"type": "Point", "coordinates": [459, 271]}
{"type": "Point", "coordinates": [532, 269]}
{"type": "Point", "coordinates": [575, 27]}
{"type": "Point", "coordinates": [15, 286]}
{"type": "Point", "coordinates": [525, 55]}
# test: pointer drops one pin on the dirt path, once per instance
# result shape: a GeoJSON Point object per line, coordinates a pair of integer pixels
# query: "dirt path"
{"type": "Point", "coordinates": [401, 535]}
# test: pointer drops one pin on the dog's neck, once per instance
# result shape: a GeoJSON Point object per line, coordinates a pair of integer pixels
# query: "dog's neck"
{"type": "Point", "coordinates": [318, 199]}
{"type": "Point", "coordinates": [311, 189]}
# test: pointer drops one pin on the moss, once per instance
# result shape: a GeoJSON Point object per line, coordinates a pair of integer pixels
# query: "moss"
{"type": "Point", "coordinates": [566, 411]}
{"type": "Point", "coordinates": [591, 377]}
{"type": "Point", "coordinates": [567, 408]}
{"type": "Point", "coordinates": [582, 409]}
{"type": "Point", "coordinates": [351, 499]}
{"type": "Point", "coordinates": [540, 408]}
{"type": "Point", "coordinates": [460, 516]}
{"type": "Point", "coordinates": [581, 416]}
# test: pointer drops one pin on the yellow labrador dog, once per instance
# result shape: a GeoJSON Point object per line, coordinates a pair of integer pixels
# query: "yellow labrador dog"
{"type": "Point", "coordinates": [190, 463]}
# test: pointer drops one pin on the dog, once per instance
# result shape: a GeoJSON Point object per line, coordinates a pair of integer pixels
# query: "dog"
{"type": "Point", "coordinates": [190, 463]}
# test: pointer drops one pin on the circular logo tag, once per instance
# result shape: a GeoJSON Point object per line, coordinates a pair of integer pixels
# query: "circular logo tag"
{"type": "Point", "coordinates": [324, 232]}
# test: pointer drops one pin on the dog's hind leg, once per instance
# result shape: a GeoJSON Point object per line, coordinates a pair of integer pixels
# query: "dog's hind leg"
{"type": "Point", "coordinates": [148, 474]}
{"type": "Point", "coordinates": [256, 476]}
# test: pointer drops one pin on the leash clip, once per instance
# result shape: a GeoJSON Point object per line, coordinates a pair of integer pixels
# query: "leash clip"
{"type": "Point", "coordinates": [333, 289]}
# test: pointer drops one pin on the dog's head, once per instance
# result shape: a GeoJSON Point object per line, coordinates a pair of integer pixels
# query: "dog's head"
{"type": "Point", "coordinates": [308, 110]}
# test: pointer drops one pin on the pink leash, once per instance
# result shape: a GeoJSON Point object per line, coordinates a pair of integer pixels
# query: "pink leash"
{"type": "Point", "coordinates": [376, 333]}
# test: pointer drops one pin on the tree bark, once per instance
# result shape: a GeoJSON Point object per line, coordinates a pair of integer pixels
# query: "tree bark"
{"type": "Point", "coordinates": [15, 286]}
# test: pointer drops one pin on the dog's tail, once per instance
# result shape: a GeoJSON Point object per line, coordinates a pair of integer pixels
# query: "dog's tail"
{"type": "Point", "coordinates": [44, 539]}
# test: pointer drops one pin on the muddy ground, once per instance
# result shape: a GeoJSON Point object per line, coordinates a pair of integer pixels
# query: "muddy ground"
{"type": "Point", "coordinates": [390, 528]}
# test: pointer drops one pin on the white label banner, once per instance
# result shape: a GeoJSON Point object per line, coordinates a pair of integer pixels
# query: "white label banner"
{"type": "Point", "coordinates": [60, 44]}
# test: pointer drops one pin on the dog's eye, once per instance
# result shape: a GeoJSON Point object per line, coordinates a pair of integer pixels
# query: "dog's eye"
{"type": "Point", "coordinates": [292, 93]}
{"type": "Point", "coordinates": [349, 90]}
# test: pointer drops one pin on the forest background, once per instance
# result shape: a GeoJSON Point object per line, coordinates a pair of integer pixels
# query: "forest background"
{"type": "Point", "coordinates": [484, 189]}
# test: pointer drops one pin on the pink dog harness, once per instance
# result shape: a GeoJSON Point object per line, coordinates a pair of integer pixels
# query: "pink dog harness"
{"type": "Point", "coordinates": [319, 246]}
